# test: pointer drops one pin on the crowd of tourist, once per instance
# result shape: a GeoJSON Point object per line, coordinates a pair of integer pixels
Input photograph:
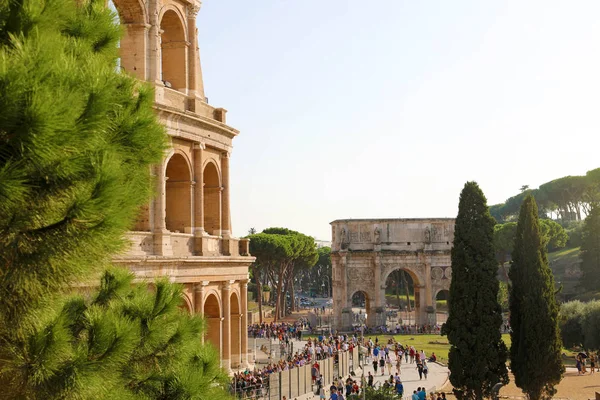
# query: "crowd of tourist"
{"type": "Point", "coordinates": [400, 329]}
{"type": "Point", "coordinates": [279, 330]}
{"type": "Point", "coordinates": [581, 362]}
{"type": "Point", "coordinates": [253, 383]}
{"type": "Point", "coordinates": [382, 356]}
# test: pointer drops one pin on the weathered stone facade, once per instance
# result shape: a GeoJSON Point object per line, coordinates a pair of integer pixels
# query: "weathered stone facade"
{"type": "Point", "coordinates": [185, 232]}
{"type": "Point", "coordinates": [366, 251]}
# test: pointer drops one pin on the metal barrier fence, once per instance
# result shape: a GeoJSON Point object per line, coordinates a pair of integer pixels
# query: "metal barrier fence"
{"type": "Point", "coordinates": [298, 381]}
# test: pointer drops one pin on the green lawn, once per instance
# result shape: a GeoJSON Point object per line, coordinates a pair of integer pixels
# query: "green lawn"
{"type": "Point", "coordinates": [439, 345]}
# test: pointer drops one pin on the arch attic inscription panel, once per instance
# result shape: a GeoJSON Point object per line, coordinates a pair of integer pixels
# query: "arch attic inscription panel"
{"type": "Point", "coordinates": [365, 252]}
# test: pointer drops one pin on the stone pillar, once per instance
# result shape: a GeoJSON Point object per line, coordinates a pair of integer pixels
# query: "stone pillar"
{"type": "Point", "coordinates": [428, 296]}
{"type": "Point", "coordinates": [339, 289]}
{"type": "Point", "coordinates": [192, 12]}
{"type": "Point", "coordinates": [225, 217]}
{"type": "Point", "coordinates": [421, 300]}
{"type": "Point", "coordinates": [226, 299]}
{"type": "Point", "coordinates": [134, 45]}
{"type": "Point", "coordinates": [199, 297]}
{"type": "Point", "coordinates": [154, 53]}
{"type": "Point", "coordinates": [162, 237]}
{"type": "Point", "coordinates": [244, 322]}
{"type": "Point", "coordinates": [199, 189]}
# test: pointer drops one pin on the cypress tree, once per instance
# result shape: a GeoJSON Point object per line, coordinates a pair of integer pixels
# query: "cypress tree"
{"type": "Point", "coordinates": [590, 250]}
{"type": "Point", "coordinates": [477, 357]}
{"type": "Point", "coordinates": [535, 354]}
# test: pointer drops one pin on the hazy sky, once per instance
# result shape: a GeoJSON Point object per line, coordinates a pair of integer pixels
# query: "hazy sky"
{"type": "Point", "coordinates": [385, 108]}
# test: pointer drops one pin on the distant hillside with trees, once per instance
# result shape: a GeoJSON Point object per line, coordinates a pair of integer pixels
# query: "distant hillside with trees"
{"type": "Point", "coordinates": [564, 208]}
{"type": "Point", "coordinates": [566, 199]}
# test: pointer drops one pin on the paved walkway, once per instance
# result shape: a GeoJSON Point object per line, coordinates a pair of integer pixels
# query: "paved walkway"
{"type": "Point", "coordinates": [408, 372]}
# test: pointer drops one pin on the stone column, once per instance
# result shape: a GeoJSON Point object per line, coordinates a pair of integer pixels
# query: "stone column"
{"type": "Point", "coordinates": [225, 217]}
{"type": "Point", "coordinates": [421, 315]}
{"type": "Point", "coordinates": [226, 299]}
{"type": "Point", "coordinates": [154, 53]}
{"type": "Point", "coordinates": [134, 45]}
{"type": "Point", "coordinates": [162, 238]}
{"type": "Point", "coordinates": [244, 321]}
{"type": "Point", "coordinates": [192, 12]}
{"type": "Point", "coordinates": [199, 189]}
{"type": "Point", "coordinates": [199, 300]}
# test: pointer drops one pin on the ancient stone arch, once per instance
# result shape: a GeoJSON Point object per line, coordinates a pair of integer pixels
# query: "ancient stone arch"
{"type": "Point", "coordinates": [365, 252]}
{"type": "Point", "coordinates": [212, 199]}
{"type": "Point", "coordinates": [174, 51]}
{"type": "Point", "coordinates": [178, 177]}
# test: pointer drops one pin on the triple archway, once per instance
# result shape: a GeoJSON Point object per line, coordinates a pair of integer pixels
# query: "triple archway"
{"type": "Point", "coordinates": [402, 294]}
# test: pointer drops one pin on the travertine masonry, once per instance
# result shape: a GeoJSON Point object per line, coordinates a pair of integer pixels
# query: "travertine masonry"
{"type": "Point", "coordinates": [365, 251]}
{"type": "Point", "coordinates": [185, 232]}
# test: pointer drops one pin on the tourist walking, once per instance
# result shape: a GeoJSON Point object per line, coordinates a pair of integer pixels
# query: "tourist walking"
{"type": "Point", "coordinates": [420, 369]}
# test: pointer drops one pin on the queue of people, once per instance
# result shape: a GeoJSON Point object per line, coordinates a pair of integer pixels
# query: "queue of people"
{"type": "Point", "coordinates": [279, 330]}
{"type": "Point", "coordinates": [384, 357]}
{"type": "Point", "coordinates": [254, 383]}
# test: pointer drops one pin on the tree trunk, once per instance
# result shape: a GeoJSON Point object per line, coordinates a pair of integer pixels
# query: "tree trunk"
{"type": "Point", "coordinates": [259, 295]}
{"type": "Point", "coordinates": [286, 288]}
{"type": "Point", "coordinates": [282, 270]}
{"type": "Point", "coordinates": [292, 297]}
{"type": "Point", "coordinates": [397, 282]}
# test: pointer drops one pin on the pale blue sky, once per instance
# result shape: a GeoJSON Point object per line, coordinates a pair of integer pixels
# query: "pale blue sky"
{"type": "Point", "coordinates": [385, 108]}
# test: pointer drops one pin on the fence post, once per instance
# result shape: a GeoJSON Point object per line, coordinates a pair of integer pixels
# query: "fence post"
{"type": "Point", "coordinates": [280, 385]}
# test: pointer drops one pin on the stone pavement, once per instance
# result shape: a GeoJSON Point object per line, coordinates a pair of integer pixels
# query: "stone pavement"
{"type": "Point", "coordinates": [436, 378]}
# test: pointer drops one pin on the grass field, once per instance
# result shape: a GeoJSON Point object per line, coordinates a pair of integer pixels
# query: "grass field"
{"type": "Point", "coordinates": [439, 345]}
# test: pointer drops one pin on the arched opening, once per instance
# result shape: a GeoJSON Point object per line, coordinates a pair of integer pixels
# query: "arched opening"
{"type": "Point", "coordinates": [212, 315]}
{"type": "Point", "coordinates": [173, 51]}
{"type": "Point", "coordinates": [361, 305]}
{"type": "Point", "coordinates": [442, 299]}
{"type": "Point", "coordinates": [236, 333]}
{"type": "Point", "coordinates": [212, 200]}
{"type": "Point", "coordinates": [400, 298]}
{"type": "Point", "coordinates": [178, 195]}
{"type": "Point", "coordinates": [132, 17]}
{"type": "Point", "coordinates": [186, 305]}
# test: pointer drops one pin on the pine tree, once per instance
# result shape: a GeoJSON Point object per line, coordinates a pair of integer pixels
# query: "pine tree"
{"type": "Point", "coordinates": [590, 250]}
{"type": "Point", "coordinates": [477, 357]}
{"type": "Point", "coordinates": [121, 342]}
{"type": "Point", "coordinates": [77, 141]}
{"type": "Point", "coordinates": [535, 354]}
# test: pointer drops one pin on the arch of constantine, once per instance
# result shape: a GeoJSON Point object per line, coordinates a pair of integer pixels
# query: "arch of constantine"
{"type": "Point", "coordinates": [365, 252]}
{"type": "Point", "coordinates": [184, 233]}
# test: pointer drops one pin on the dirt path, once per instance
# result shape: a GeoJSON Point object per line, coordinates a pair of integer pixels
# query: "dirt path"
{"type": "Point", "coordinates": [573, 386]}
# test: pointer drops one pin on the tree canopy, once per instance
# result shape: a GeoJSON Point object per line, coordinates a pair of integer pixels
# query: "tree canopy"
{"type": "Point", "coordinates": [280, 254]}
{"type": "Point", "coordinates": [76, 143]}
{"type": "Point", "coordinates": [569, 198]}
{"type": "Point", "coordinates": [590, 250]}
